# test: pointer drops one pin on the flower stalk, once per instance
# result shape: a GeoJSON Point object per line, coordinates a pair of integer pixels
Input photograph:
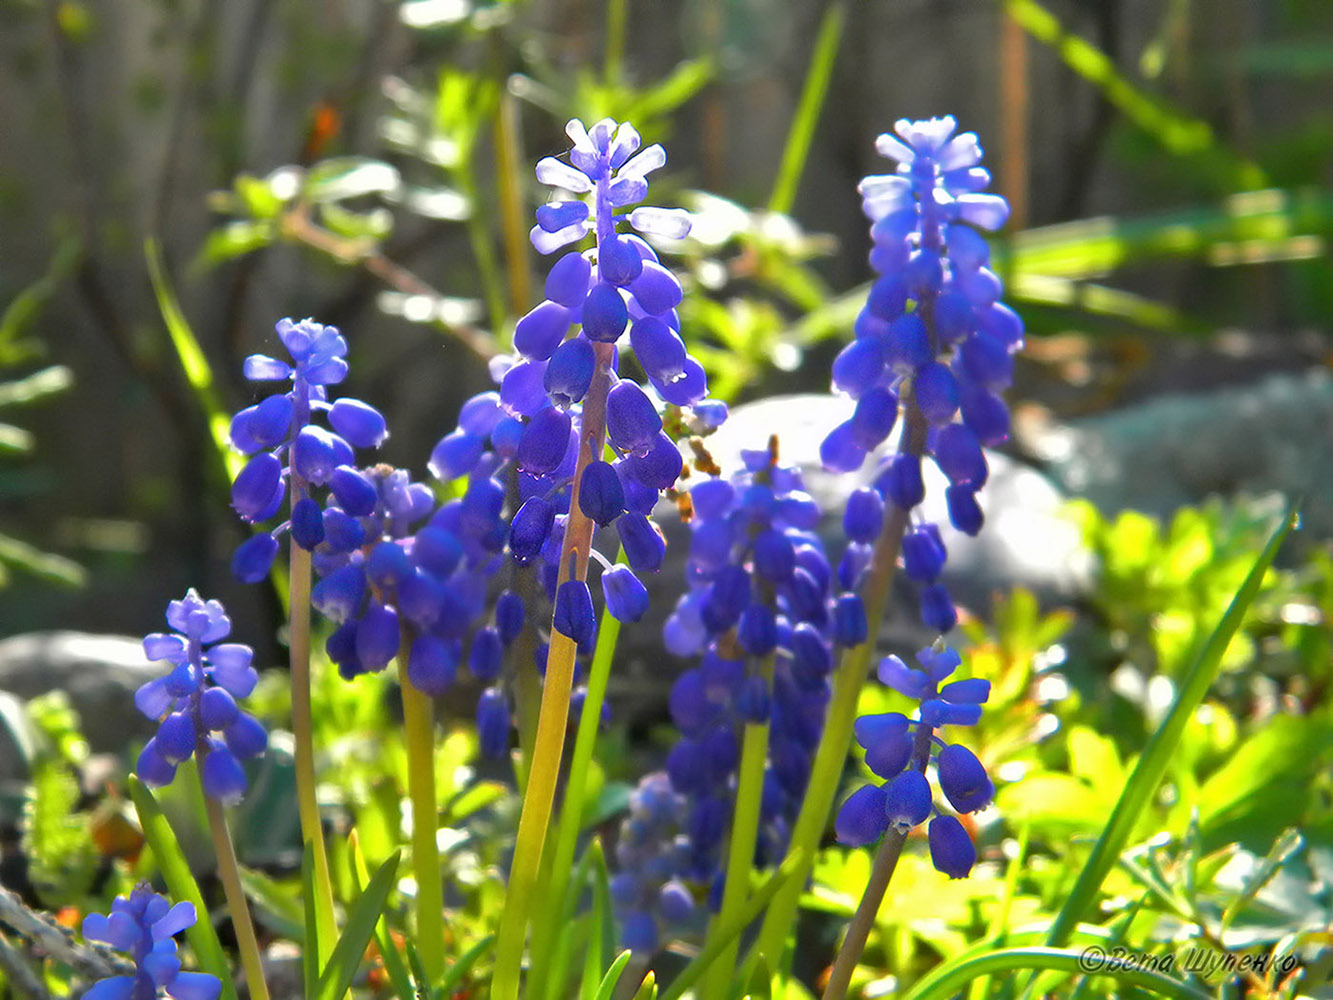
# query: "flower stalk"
{"type": "Point", "coordinates": [553, 720]}
{"type": "Point", "coordinates": [740, 850]}
{"type": "Point", "coordinates": [851, 675]}
{"type": "Point", "coordinates": [419, 736]}
{"type": "Point", "coordinates": [229, 873]}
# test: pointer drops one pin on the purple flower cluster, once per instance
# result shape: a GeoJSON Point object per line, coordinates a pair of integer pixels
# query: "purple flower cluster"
{"type": "Point", "coordinates": [195, 704]}
{"type": "Point", "coordinates": [651, 851]}
{"type": "Point", "coordinates": [899, 749]}
{"type": "Point", "coordinates": [145, 924]}
{"type": "Point", "coordinates": [763, 612]}
{"type": "Point", "coordinates": [566, 374]}
{"type": "Point", "coordinates": [287, 450]}
{"type": "Point", "coordinates": [933, 333]}
{"type": "Point", "coordinates": [392, 562]}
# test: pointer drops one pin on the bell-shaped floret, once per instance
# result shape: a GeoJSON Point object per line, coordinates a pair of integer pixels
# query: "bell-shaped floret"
{"type": "Point", "coordinates": [951, 849]}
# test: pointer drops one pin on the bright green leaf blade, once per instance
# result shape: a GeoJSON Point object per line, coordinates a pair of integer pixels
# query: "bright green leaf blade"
{"type": "Point", "coordinates": [802, 131]}
{"type": "Point", "coordinates": [282, 912]}
{"type": "Point", "coordinates": [35, 387]}
{"type": "Point", "coordinates": [394, 965]}
{"type": "Point", "coordinates": [15, 440]}
{"type": "Point", "coordinates": [608, 984]}
{"type": "Point", "coordinates": [1152, 765]}
{"type": "Point", "coordinates": [194, 364]}
{"type": "Point", "coordinates": [1253, 227]}
{"type": "Point", "coordinates": [346, 958]}
{"type": "Point", "coordinates": [730, 931]}
{"type": "Point", "coordinates": [181, 884]}
{"type": "Point", "coordinates": [455, 973]}
{"type": "Point", "coordinates": [44, 565]}
{"type": "Point", "coordinates": [648, 988]}
{"type": "Point", "coordinates": [309, 956]}
{"type": "Point", "coordinates": [594, 959]}
{"type": "Point", "coordinates": [1175, 131]}
{"type": "Point", "coordinates": [27, 305]}
{"type": "Point", "coordinates": [947, 980]}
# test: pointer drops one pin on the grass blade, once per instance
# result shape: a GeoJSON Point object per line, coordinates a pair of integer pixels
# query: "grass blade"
{"type": "Point", "coordinates": [947, 981]}
{"type": "Point", "coordinates": [309, 957]}
{"type": "Point", "coordinates": [608, 984]}
{"type": "Point", "coordinates": [1152, 765]}
{"type": "Point", "coordinates": [337, 976]}
{"type": "Point", "coordinates": [181, 884]}
{"type": "Point", "coordinates": [360, 926]}
{"type": "Point", "coordinates": [193, 362]}
{"type": "Point", "coordinates": [803, 124]}
{"type": "Point", "coordinates": [459, 969]}
{"type": "Point", "coordinates": [1175, 131]}
{"type": "Point", "coordinates": [648, 988]}
{"type": "Point", "coordinates": [393, 962]}
{"type": "Point", "coordinates": [730, 931]}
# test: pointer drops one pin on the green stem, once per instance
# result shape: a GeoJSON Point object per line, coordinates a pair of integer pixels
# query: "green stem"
{"type": "Point", "coordinates": [229, 872]}
{"type": "Point", "coordinates": [527, 685]}
{"type": "Point", "coordinates": [312, 827]}
{"type": "Point", "coordinates": [850, 677]}
{"type": "Point", "coordinates": [419, 733]}
{"type": "Point", "coordinates": [616, 11]}
{"type": "Point", "coordinates": [813, 93]}
{"type": "Point", "coordinates": [571, 814]}
{"type": "Point", "coordinates": [510, 179]}
{"type": "Point", "coordinates": [740, 851]}
{"type": "Point", "coordinates": [483, 252]}
{"type": "Point", "coordinates": [554, 718]}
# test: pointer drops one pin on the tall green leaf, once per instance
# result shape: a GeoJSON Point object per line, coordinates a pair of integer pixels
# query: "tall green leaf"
{"type": "Point", "coordinates": [948, 980]}
{"type": "Point", "coordinates": [365, 913]}
{"type": "Point", "coordinates": [181, 884]}
{"type": "Point", "coordinates": [1152, 765]}
{"type": "Point", "coordinates": [730, 931]}
{"type": "Point", "coordinates": [198, 372]}
{"type": "Point", "coordinates": [1177, 132]}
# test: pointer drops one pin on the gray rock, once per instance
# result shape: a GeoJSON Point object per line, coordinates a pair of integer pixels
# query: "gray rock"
{"type": "Point", "coordinates": [1274, 435]}
{"type": "Point", "coordinates": [99, 673]}
{"type": "Point", "coordinates": [1026, 541]}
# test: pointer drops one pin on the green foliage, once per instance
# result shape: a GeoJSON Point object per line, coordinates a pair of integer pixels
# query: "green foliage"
{"type": "Point", "coordinates": [57, 835]}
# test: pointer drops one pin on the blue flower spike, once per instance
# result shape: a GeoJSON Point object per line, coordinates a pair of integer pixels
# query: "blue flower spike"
{"type": "Point", "coordinates": [197, 699]}
{"type": "Point", "coordinates": [933, 335]}
{"type": "Point", "coordinates": [144, 925]}
{"type": "Point", "coordinates": [899, 750]}
{"type": "Point", "coordinates": [288, 451]}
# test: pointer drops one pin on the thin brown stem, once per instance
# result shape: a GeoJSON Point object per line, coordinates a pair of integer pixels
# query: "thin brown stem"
{"type": "Point", "coordinates": [886, 860]}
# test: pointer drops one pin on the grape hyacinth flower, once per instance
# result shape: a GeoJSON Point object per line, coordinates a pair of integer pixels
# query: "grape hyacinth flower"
{"type": "Point", "coordinates": [195, 704]}
{"type": "Point", "coordinates": [899, 749]}
{"type": "Point", "coordinates": [933, 336]}
{"type": "Point", "coordinates": [286, 449]}
{"type": "Point", "coordinates": [562, 390]}
{"type": "Point", "coordinates": [144, 924]}
{"type": "Point", "coordinates": [572, 402]}
{"type": "Point", "coordinates": [651, 852]}
{"type": "Point", "coordinates": [762, 614]}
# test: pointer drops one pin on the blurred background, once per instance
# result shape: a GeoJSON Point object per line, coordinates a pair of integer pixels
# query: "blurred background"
{"type": "Point", "coordinates": [176, 175]}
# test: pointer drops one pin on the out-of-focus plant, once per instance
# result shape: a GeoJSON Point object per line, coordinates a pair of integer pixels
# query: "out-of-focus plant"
{"type": "Point", "coordinates": [19, 348]}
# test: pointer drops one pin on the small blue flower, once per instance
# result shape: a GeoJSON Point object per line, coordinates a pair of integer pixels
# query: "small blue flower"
{"type": "Point", "coordinates": [198, 698]}
{"type": "Point", "coordinates": [899, 750]}
{"type": "Point", "coordinates": [287, 451]}
{"type": "Point", "coordinates": [144, 924]}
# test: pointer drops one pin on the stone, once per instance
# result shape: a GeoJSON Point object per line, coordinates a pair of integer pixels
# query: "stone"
{"type": "Point", "coordinates": [99, 673]}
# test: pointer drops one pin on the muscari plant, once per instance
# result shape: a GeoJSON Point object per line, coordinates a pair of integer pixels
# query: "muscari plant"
{"type": "Point", "coordinates": [554, 476]}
